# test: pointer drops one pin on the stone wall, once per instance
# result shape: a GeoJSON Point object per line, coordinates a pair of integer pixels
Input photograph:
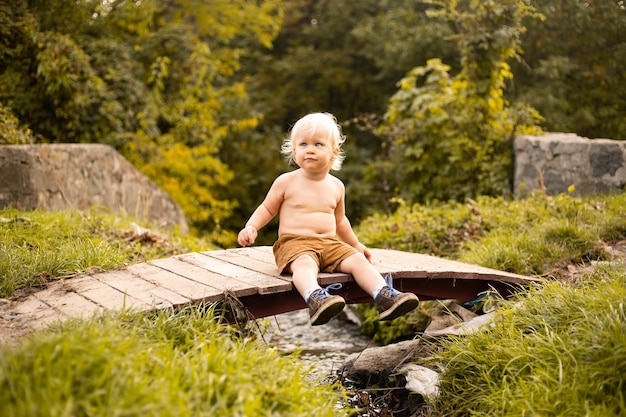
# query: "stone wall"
{"type": "Point", "coordinates": [556, 161]}
{"type": "Point", "coordinates": [80, 176]}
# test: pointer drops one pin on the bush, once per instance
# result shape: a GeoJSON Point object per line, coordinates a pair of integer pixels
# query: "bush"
{"type": "Point", "coordinates": [11, 133]}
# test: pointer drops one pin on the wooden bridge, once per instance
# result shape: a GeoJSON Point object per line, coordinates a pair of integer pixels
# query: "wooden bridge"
{"type": "Point", "coordinates": [250, 275]}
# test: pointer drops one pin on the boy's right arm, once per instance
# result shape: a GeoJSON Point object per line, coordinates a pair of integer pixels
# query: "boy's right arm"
{"type": "Point", "coordinates": [264, 213]}
{"type": "Point", "coordinates": [259, 218]}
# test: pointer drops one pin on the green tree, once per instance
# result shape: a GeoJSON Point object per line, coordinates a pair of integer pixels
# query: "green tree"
{"type": "Point", "coordinates": [573, 67]}
{"type": "Point", "coordinates": [450, 136]}
{"type": "Point", "coordinates": [156, 79]}
{"type": "Point", "coordinates": [341, 56]}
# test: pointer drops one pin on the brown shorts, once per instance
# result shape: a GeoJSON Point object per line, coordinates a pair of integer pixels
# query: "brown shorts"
{"type": "Point", "coordinates": [326, 252]}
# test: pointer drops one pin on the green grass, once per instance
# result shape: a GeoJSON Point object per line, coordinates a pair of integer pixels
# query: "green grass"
{"type": "Point", "coordinates": [162, 364]}
{"type": "Point", "coordinates": [531, 236]}
{"type": "Point", "coordinates": [558, 350]}
{"type": "Point", "coordinates": [38, 246]}
{"type": "Point", "coordinates": [536, 236]}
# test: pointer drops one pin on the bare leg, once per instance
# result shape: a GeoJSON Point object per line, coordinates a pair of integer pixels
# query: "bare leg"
{"type": "Point", "coordinates": [322, 305]}
{"type": "Point", "coordinates": [305, 271]}
{"type": "Point", "coordinates": [391, 303]}
{"type": "Point", "coordinates": [365, 275]}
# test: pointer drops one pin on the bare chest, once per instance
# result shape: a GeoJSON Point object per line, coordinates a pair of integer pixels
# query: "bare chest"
{"type": "Point", "coordinates": [308, 196]}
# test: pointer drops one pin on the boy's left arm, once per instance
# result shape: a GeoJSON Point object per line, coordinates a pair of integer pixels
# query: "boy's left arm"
{"type": "Point", "coordinates": [345, 233]}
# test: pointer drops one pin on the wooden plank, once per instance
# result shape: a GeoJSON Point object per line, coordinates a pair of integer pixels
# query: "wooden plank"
{"type": "Point", "coordinates": [242, 257]}
{"type": "Point", "coordinates": [415, 265]}
{"type": "Point", "coordinates": [261, 253]}
{"type": "Point", "coordinates": [399, 264]}
{"type": "Point", "coordinates": [266, 254]}
{"type": "Point", "coordinates": [411, 261]}
{"type": "Point", "coordinates": [37, 311]}
{"type": "Point", "coordinates": [220, 282]}
{"type": "Point", "coordinates": [262, 257]}
{"type": "Point", "coordinates": [386, 266]}
{"type": "Point", "coordinates": [151, 295]}
{"type": "Point", "coordinates": [464, 270]}
{"type": "Point", "coordinates": [265, 284]}
{"type": "Point", "coordinates": [186, 288]}
{"type": "Point", "coordinates": [103, 294]}
{"type": "Point", "coordinates": [434, 265]}
{"type": "Point", "coordinates": [62, 298]}
{"type": "Point", "coordinates": [326, 278]}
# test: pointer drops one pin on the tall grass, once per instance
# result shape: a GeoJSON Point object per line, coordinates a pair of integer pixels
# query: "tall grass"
{"type": "Point", "coordinates": [37, 246]}
{"type": "Point", "coordinates": [531, 236]}
{"type": "Point", "coordinates": [557, 350]}
{"type": "Point", "coordinates": [164, 364]}
{"type": "Point", "coordinates": [536, 236]}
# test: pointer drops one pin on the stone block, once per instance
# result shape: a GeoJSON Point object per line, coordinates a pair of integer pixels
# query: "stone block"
{"type": "Point", "coordinates": [557, 161]}
{"type": "Point", "coordinates": [80, 176]}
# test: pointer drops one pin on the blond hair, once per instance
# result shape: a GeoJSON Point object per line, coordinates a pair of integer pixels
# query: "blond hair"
{"type": "Point", "coordinates": [310, 125]}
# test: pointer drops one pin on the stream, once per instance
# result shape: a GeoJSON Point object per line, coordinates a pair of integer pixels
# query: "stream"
{"type": "Point", "coordinates": [323, 347]}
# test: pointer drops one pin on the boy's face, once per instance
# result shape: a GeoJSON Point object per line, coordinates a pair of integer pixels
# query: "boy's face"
{"type": "Point", "coordinates": [315, 152]}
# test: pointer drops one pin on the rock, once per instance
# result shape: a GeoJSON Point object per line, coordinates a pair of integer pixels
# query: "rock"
{"type": "Point", "coordinates": [376, 364]}
{"type": "Point", "coordinates": [449, 316]}
{"type": "Point", "coordinates": [421, 380]}
{"type": "Point", "coordinates": [557, 161]}
{"type": "Point", "coordinates": [382, 365]}
{"type": "Point", "coordinates": [79, 176]}
{"type": "Point", "coordinates": [463, 328]}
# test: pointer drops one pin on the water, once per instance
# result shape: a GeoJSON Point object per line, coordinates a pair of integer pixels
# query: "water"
{"type": "Point", "coordinates": [324, 347]}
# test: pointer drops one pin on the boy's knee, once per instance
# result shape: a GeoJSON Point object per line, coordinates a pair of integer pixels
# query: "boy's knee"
{"type": "Point", "coordinates": [356, 261]}
{"type": "Point", "coordinates": [304, 261]}
{"type": "Point", "coordinates": [359, 258]}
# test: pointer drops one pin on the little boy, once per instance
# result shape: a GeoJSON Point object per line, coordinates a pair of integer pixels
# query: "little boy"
{"type": "Point", "coordinates": [310, 203]}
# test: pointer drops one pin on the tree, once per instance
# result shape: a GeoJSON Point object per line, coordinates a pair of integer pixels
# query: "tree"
{"type": "Point", "coordinates": [156, 79]}
{"type": "Point", "coordinates": [573, 67]}
{"type": "Point", "coordinates": [450, 136]}
{"type": "Point", "coordinates": [341, 56]}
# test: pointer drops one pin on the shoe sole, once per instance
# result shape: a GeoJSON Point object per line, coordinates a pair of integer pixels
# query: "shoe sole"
{"type": "Point", "coordinates": [327, 312]}
{"type": "Point", "coordinates": [403, 307]}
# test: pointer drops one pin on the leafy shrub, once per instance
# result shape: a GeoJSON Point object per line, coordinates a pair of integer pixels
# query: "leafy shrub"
{"type": "Point", "coordinates": [11, 133]}
{"type": "Point", "coordinates": [450, 135]}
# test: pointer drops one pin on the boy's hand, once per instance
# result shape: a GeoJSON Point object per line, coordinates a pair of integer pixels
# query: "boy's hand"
{"type": "Point", "coordinates": [247, 236]}
{"type": "Point", "coordinates": [365, 251]}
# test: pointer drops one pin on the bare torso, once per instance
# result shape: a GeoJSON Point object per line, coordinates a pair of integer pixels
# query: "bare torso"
{"type": "Point", "coordinates": [309, 206]}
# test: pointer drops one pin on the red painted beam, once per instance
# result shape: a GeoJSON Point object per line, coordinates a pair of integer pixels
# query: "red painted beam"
{"type": "Point", "coordinates": [461, 289]}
